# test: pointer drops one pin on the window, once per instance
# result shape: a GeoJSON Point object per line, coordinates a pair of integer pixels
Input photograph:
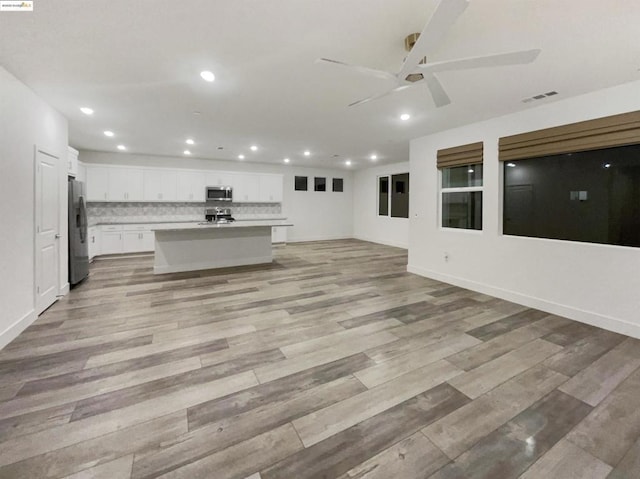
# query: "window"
{"type": "Point", "coordinates": [461, 197]}
{"type": "Point", "coordinates": [591, 196]}
{"type": "Point", "coordinates": [300, 183]}
{"type": "Point", "coordinates": [320, 184]}
{"type": "Point", "coordinates": [393, 195]}
{"type": "Point", "coordinates": [400, 195]}
{"type": "Point", "coordinates": [338, 185]}
{"type": "Point", "coordinates": [383, 196]}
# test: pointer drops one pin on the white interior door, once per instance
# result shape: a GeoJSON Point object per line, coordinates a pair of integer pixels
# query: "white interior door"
{"type": "Point", "coordinates": [47, 230]}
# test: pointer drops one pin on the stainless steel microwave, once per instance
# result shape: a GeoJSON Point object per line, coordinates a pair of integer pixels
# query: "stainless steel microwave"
{"type": "Point", "coordinates": [219, 193]}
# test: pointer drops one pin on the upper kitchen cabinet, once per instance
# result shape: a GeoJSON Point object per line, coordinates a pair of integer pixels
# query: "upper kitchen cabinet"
{"type": "Point", "coordinates": [97, 183]}
{"type": "Point", "coordinates": [271, 188]}
{"type": "Point", "coordinates": [190, 186]}
{"type": "Point", "coordinates": [219, 178]}
{"type": "Point", "coordinates": [126, 184]}
{"type": "Point", "coordinates": [72, 162]}
{"type": "Point", "coordinates": [246, 188]}
{"type": "Point", "coordinates": [114, 184]}
{"type": "Point", "coordinates": [160, 185]}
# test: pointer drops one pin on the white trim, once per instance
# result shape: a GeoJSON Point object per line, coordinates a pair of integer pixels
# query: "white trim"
{"type": "Point", "coordinates": [589, 317]}
{"type": "Point", "coordinates": [382, 241]}
{"type": "Point", "coordinates": [13, 331]}
{"type": "Point", "coordinates": [64, 290]}
{"type": "Point", "coordinates": [318, 238]}
{"type": "Point", "coordinates": [177, 268]}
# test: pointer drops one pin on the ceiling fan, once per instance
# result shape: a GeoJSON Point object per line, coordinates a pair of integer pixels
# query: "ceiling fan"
{"type": "Point", "coordinates": [416, 69]}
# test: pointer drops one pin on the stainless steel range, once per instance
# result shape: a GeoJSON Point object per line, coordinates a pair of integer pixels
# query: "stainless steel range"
{"type": "Point", "coordinates": [218, 215]}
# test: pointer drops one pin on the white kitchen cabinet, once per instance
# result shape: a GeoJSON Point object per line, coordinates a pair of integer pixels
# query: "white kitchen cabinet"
{"type": "Point", "coordinates": [97, 183]}
{"type": "Point", "coordinates": [270, 189]}
{"type": "Point", "coordinates": [111, 242]}
{"type": "Point", "coordinates": [138, 241]}
{"type": "Point", "coordinates": [219, 178]}
{"type": "Point", "coordinates": [190, 186]}
{"type": "Point", "coordinates": [159, 185]}
{"type": "Point", "coordinates": [93, 238]}
{"type": "Point", "coordinates": [72, 162]}
{"type": "Point", "coordinates": [246, 188]}
{"type": "Point", "coordinates": [125, 184]}
{"type": "Point", "coordinates": [82, 173]}
{"type": "Point", "coordinates": [279, 234]}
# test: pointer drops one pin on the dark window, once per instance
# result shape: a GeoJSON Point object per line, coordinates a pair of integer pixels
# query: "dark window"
{"type": "Point", "coordinates": [462, 210]}
{"type": "Point", "coordinates": [338, 185]}
{"type": "Point", "coordinates": [320, 184]}
{"type": "Point", "coordinates": [400, 195]}
{"type": "Point", "coordinates": [383, 196]}
{"type": "Point", "coordinates": [301, 183]}
{"type": "Point", "coordinates": [591, 196]}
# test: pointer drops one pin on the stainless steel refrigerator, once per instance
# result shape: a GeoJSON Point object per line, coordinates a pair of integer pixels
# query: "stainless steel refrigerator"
{"type": "Point", "coordinates": [78, 243]}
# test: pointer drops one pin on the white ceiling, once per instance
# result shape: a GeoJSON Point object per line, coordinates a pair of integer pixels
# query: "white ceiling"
{"type": "Point", "coordinates": [137, 64]}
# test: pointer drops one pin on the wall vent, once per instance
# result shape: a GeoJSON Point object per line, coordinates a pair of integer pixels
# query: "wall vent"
{"type": "Point", "coordinates": [540, 96]}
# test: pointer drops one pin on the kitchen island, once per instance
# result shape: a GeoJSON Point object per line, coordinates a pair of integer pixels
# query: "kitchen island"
{"type": "Point", "coordinates": [196, 246]}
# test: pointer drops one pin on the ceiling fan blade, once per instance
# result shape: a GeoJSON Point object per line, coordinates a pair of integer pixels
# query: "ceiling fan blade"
{"type": "Point", "coordinates": [446, 13]}
{"type": "Point", "coordinates": [381, 95]}
{"type": "Point", "coordinates": [501, 59]}
{"type": "Point", "coordinates": [367, 71]}
{"type": "Point", "coordinates": [440, 97]}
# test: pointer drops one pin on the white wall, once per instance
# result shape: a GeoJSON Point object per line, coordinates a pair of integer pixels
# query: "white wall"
{"type": "Point", "coordinates": [25, 121]}
{"type": "Point", "coordinates": [315, 215]}
{"type": "Point", "coordinates": [597, 284]}
{"type": "Point", "coordinates": [367, 225]}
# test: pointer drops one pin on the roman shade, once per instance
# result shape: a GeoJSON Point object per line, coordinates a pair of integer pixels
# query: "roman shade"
{"type": "Point", "coordinates": [460, 155]}
{"type": "Point", "coordinates": [607, 132]}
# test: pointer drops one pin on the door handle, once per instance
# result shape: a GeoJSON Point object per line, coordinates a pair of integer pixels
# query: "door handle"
{"type": "Point", "coordinates": [57, 235]}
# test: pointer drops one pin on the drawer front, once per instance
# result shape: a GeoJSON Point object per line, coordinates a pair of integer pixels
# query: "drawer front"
{"type": "Point", "coordinates": [111, 228]}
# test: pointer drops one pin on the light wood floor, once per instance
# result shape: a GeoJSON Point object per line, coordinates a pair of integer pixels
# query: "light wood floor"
{"type": "Point", "coordinates": [331, 363]}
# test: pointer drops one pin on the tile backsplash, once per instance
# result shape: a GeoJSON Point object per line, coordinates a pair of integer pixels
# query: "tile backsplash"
{"type": "Point", "coordinates": [150, 212]}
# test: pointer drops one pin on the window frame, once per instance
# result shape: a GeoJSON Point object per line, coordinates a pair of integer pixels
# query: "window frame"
{"type": "Point", "coordinates": [461, 189]}
{"type": "Point", "coordinates": [388, 177]}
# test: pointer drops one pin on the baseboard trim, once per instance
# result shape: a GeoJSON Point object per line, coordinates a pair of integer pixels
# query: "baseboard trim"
{"type": "Point", "coordinates": [64, 290]}
{"type": "Point", "coordinates": [13, 331]}
{"type": "Point", "coordinates": [317, 238]}
{"type": "Point", "coordinates": [589, 317]}
{"type": "Point", "coordinates": [382, 241]}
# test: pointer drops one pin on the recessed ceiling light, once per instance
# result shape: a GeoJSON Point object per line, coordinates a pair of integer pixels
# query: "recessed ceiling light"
{"type": "Point", "coordinates": [186, 152]}
{"type": "Point", "coordinates": [511, 165]}
{"type": "Point", "coordinates": [405, 116]}
{"type": "Point", "coordinates": [108, 133]}
{"type": "Point", "coordinates": [374, 157]}
{"type": "Point", "coordinates": [190, 141]}
{"type": "Point", "coordinates": [307, 153]}
{"type": "Point", "coordinates": [348, 162]}
{"type": "Point", "coordinates": [607, 165]}
{"type": "Point", "coordinates": [86, 110]}
{"type": "Point", "coordinates": [470, 170]}
{"type": "Point", "coordinates": [286, 160]}
{"type": "Point", "coordinates": [241, 157]}
{"type": "Point", "coordinates": [254, 148]}
{"type": "Point", "coordinates": [122, 147]}
{"type": "Point", "coordinates": [207, 76]}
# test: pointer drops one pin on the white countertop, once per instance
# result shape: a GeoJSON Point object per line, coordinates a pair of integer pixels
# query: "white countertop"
{"type": "Point", "coordinates": [235, 224]}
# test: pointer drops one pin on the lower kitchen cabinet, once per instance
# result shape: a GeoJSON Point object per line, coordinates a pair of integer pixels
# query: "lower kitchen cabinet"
{"type": "Point", "coordinates": [93, 238]}
{"type": "Point", "coordinates": [117, 239]}
{"type": "Point", "coordinates": [279, 234]}
{"type": "Point", "coordinates": [138, 241]}
{"type": "Point", "coordinates": [111, 242]}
